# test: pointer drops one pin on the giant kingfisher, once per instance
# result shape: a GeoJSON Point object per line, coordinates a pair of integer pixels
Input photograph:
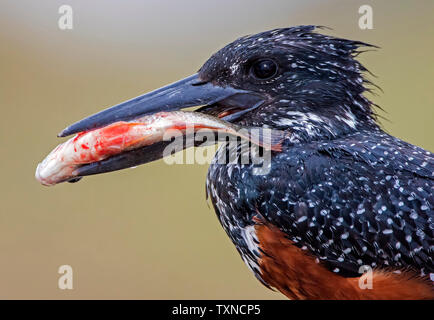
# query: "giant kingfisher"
{"type": "Point", "coordinates": [343, 200]}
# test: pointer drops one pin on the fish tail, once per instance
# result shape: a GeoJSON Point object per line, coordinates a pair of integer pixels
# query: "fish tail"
{"type": "Point", "coordinates": [268, 139]}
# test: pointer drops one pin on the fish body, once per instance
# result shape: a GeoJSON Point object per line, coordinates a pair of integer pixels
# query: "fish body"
{"type": "Point", "coordinates": [99, 144]}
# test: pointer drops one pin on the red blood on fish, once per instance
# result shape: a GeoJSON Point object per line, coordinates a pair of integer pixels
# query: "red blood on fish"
{"type": "Point", "coordinates": [79, 135]}
{"type": "Point", "coordinates": [115, 137]}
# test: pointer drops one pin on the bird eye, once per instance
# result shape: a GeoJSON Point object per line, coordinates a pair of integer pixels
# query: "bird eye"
{"type": "Point", "coordinates": [264, 69]}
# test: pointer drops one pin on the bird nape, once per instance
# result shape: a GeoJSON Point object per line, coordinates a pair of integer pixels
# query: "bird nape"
{"type": "Point", "coordinates": [341, 198]}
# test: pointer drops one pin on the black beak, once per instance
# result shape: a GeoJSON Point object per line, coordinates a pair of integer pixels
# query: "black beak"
{"type": "Point", "coordinates": [189, 92]}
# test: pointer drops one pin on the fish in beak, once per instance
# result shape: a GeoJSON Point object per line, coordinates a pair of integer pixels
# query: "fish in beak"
{"type": "Point", "coordinates": [225, 102]}
{"type": "Point", "coordinates": [66, 160]}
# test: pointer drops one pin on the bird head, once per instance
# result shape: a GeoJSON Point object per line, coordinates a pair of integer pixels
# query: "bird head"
{"type": "Point", "coordinates": [291, 79]}
{"type": "Point", "coordinates": [310, 83]}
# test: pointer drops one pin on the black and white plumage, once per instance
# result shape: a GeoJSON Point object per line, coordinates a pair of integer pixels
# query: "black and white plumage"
{"type": "Point", "coordinates": [364, 199]}
{"type": "Point", "coordinates": [342, 189]}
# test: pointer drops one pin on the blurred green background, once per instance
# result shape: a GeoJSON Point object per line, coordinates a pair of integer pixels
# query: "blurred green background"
{"type": "Point", "coordinates": [148, 232]}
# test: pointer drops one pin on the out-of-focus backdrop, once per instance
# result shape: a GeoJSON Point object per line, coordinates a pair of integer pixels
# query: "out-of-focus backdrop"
{"type": "Point", "coordinates": [148, 232]}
